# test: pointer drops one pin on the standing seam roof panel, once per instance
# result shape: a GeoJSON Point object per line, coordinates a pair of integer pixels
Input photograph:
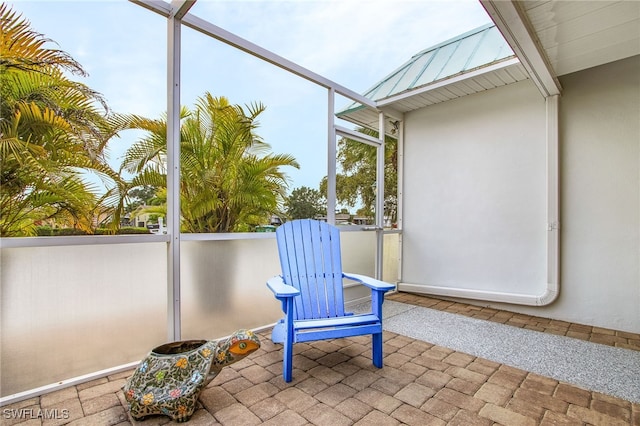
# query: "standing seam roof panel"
{"type": "Point", "coordinates": [465, 50]}
{"type": "Point", "coordinates": [412, 73]}
{"type": "Point", "coordinates": [473, 49]}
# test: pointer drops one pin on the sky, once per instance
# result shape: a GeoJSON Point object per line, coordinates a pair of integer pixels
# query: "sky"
{"type": "Point", "coordinates": [355, 43]}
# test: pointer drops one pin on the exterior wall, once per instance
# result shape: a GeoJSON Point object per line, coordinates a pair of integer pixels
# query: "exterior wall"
{"type": "Point", "coordinates": [475, 195]}
{"type": "Point", "coordinates": [600, 195]}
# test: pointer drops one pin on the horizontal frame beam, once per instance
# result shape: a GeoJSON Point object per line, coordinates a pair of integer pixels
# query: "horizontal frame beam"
{"type": "Point", "coordinates": [360, 137]}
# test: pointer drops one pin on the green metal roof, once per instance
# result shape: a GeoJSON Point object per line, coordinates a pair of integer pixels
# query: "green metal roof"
{"type": "Point", "coordinates": [475, 49]}
{"type": "Point", "coordinates": [468, 51]}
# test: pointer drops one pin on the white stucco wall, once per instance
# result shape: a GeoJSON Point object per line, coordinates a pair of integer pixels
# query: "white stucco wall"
{"type": "Point", "coordinates": [475, 195]}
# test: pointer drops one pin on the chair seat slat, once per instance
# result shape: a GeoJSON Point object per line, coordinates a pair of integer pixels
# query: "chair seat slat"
{"type": "Point", "coordinates": [336, 322]}
{"type": "Point", "coordinates": [323, 334]}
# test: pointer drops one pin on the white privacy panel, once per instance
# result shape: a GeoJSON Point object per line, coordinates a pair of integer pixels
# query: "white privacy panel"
{"type": "Point", "coordinates": [224, 282]}
{"type": "Point", "coordinates": [68, 311]}
{"type": "Point", "coordinates": [224, 286]}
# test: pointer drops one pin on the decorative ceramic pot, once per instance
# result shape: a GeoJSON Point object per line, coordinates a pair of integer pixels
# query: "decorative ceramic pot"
{"type": "Point", "coordinates": [169, 380]}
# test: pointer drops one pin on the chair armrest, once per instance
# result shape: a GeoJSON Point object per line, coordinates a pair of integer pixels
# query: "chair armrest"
{"type": "Point", "coordinates": [280, 289]}
{"type": "Point", "coordinates": [370, 282]}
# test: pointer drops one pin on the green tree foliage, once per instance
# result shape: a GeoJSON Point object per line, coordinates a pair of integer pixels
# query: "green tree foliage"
{"type": "Point", "coordinates": [305, 203]}
{"type": "Point", "coordinates": [51, 129]}
{"type": "Point", "coordinates": [143, 196]}
{"type": "Point", "coordinates": [230, 181]}
{"type": "Point", "coordinates": [356, 185]}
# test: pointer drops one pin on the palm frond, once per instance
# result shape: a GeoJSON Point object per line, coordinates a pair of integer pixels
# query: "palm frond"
{"type": "Point", "coordinates": [23, 49]}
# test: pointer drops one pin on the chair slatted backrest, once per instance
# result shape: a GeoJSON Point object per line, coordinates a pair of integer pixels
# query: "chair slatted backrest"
{"type": "Point", "coordinates": [310, 259]}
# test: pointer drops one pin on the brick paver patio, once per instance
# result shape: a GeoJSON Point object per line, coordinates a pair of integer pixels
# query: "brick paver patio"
{"type": "Point", "coordinates": [336, 384]}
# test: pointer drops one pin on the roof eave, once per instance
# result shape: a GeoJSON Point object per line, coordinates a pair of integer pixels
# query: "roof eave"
{"type": "Point", "coordinates": [485, 69]}
{"type": "Point", "coordinates": [517, 31]}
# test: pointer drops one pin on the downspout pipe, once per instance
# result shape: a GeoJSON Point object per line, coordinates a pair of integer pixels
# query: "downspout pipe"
{"type": "Point", "coordinates": [552, 287]}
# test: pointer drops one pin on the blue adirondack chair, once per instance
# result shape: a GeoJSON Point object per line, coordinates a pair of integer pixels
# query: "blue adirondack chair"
{"type": "Point", "coordinates": [310, 289]}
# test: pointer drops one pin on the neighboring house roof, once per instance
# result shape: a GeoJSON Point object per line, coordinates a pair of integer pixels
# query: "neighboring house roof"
{"type": "Point", "coordinates": [472, 62]}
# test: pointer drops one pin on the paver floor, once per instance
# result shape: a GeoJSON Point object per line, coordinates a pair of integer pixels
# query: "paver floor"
{"type": "Point", "coordinates": [335, 383]}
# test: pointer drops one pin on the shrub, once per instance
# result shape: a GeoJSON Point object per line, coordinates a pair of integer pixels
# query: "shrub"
{"type": "Point", "coordinates": [44, 231]}
{"type": "Point", "coordinates": [132, 230]}
{"type": "Point", "coordinates": [122, 231]}
{"type": "Point", "coordinates": [60, 232]}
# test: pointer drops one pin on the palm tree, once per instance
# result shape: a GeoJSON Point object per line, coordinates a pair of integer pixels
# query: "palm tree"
{"type": "Point", "coordinates": [229, 178]}
{"type": "Point", "coordinates": [51, 129]}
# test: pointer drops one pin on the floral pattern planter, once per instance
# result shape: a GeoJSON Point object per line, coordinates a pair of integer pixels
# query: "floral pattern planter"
{"type": "Point", "coordinates": [169, 380]}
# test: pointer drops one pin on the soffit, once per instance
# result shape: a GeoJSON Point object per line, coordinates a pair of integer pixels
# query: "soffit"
{"type": "Point", "coordinates": [576, 35]}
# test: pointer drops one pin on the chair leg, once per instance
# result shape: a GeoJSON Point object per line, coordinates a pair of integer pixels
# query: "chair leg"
{"type": "Point", "coordinates": [287, 362]}
{"type": "Point", "coordinates": [377, 349]}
